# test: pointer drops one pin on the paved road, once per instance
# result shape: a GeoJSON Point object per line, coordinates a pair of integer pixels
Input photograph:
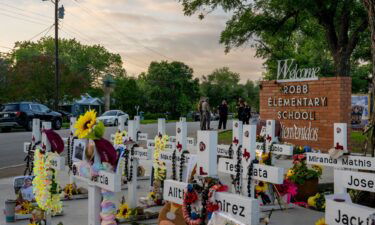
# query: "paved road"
{"type": "Point", "coordinates": [11, 144]}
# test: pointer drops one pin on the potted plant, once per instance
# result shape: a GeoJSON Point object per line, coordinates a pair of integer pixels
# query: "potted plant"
{"type": "Point", "coordinates": [305, 177]}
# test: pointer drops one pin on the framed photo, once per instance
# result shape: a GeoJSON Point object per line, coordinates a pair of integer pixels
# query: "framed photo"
{"type": "Point", "coordinates": [360, 109]}
{"type": "Point", "coordinates": [79, 150]}
{"type": "Point", "coordinates": [19, 181]}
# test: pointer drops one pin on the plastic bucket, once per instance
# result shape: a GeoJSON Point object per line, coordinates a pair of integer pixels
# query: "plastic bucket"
{"type": "Point", "coordinates": [10, 206]}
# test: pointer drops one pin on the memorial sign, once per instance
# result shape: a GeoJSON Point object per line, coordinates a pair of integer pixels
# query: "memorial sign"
{"type": "Point", "coordinates": [349, 162]}
{"type": "Point", "coordinates": [308, 109]}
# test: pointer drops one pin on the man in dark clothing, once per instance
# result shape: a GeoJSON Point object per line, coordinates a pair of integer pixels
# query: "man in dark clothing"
{"type": "Point", "coordinates": [223, 114]}
{"type": "Point", "coordinates": [241, 110]}
{"type": "Point", "coordinates": [247, 114]}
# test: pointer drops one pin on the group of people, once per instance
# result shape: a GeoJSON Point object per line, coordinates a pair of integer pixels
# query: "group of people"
{"type": "Point", "coordinates": [243, 110]}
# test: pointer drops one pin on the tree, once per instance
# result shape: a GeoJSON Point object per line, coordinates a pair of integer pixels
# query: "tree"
{"type": "Point", "coordinates": [270, 24]}
{"type": "Point", "coordinates": [82, 68]}
{"type": "Point", "coordinates": [4, 71]}
{"type": "Point", "coordinates": [127, 94]}
{"type": "Point", "coordinates": [169, 87]}
{"type": "Point", "coordinates": [252, 94]}
{"type": "Point", "coordinates": [221, 84]}
{"type": "Point", "coordinates": [370, 7]}
{"type": "Point", "coordinates": [224, 84]}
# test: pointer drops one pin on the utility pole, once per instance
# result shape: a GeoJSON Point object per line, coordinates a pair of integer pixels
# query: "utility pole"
{"type": "Point", "coordinates": [57, 71]}
{"type": "Point", "coordinates": [59, 14]}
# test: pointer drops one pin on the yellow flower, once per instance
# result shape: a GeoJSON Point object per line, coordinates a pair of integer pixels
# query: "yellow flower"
{"type": "Point", "coordinates": [261, 187]}
{"type": "Point", "coordinates": [290, 173]}
{"type": "Point", "coordinates": [321, 221]}
{"type": "Point", "coordinates": [85, 124]}
{"type": "Point", "coordinates": [317, 168]}
{"type": "Point", "coordinates": [123, 211]}
{"type": "Point", "coordinates": [151, 195]}
{"type": "Point", "coordinates": [119, 137]}
{"type": "Point", "coordinates": [311, 201]}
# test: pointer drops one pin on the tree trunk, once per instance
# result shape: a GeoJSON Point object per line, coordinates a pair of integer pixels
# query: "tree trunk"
{"type": "Point", "coordinates": [370, 7]}
{"type": "Point", "coordinates": [341, 63]}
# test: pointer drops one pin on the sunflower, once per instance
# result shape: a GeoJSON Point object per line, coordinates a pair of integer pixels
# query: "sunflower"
{"type": "Point", "coordinates": [85, 124]}
{"type": "Point", "coordinates": [261, 187]}
{"type": "Point", "coordinates": [321, 221]}
{"type": "Point", "coordinates": [123, 211]}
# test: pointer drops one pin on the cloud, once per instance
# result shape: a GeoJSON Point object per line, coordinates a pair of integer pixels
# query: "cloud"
{"type": "Point", "coordinates": [142, 31]}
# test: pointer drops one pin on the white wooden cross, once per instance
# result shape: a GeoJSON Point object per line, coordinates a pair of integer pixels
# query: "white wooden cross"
{"type": "Point", "coordinates": [269, 174]}
{"type": "Point", "coordinates": [181, 138]}
{"type": "Point", "coordinates": [139, 153]}
{"type": "Point", "coordinates": [223, 150]}
{"type": "Point", "coordinates": [36, 135]}
{"type": "Point", "coordinates": [340, 210]}
{"type": "Point", "coordinates": [344, 162]}
{"type": "Point", "coordinates": [105, 180]}
{"type": "Point", "coordinates": [242, 208]}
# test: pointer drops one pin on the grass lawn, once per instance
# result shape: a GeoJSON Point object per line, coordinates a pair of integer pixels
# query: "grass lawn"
{"type": "Point", "coordinates": [356, 139]}
{"type": "Point", "coordinates": [65, 125]}
{"type": "Point", "coordinates": [156, 121]}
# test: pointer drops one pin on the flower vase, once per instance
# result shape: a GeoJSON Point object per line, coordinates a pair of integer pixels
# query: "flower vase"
{"type": "Point", "coordinates": [307, 189]}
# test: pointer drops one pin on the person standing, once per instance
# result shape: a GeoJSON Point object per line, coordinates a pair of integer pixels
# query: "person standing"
{"type": "Point", "coordinates": [200, 113]}
{"type": "Point", "coordinates": [241, 110]}
{"type": "Point", "coordinates": [247, 114]}
{"type": "Point", "coordinates": [206, 114]}
{"type": "Point", "coordinates": [223, 115]}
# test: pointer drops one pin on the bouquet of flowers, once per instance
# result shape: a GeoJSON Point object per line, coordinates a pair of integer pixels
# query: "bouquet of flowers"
{"type": "Point", "coordinates": [300, 172]}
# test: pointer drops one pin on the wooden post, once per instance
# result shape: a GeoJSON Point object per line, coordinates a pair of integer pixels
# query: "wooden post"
{"type": "Point", "coordinates": [72, 131]}
{"type": "Point", "coordinates": [137, 120]}
{"type": "Point", "coordinates": [270, 131]}
{"type": "Point", "coordinates": [207, 153]}
{"type": "Point", "coordinates": [161, 126]}
{"type": "Point", "coordinates": [340, 138]}
{"type": "Point", "coordinates": [94, 209]}
{"type": "Point", "coordinates": [132, 185]}
{"type": "Point", "coordinates": [121, 123]}
{"type": "Point", "coordinates": [181, 134]}
{"type": "Point", "coordinates": [237, 134]}
{"type": "Point", "coordinates": [36, 135]}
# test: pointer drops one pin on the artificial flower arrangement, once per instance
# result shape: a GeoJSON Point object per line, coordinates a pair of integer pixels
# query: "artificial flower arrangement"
{"type": "Point", "coordinates": [160, 170]}
{"type": "Point", "coordinates": [305, 177]}
{"type": "Point", "coordinates": [70, 190]}
{"type": "Point", "coordinates": [25, 207]}
{"type": "Point", "coordinates": [45, 185]}
{"type": "Point", "coordinates": [287, 189]}
{"type": "Point", "coordinates": [205, 194]}
{"type": "Point", "coordinates": [119, 137]}
{"type": "Point", "coordinates": [125, 212]}
{"type": "Point", "coordinates": [300, 172]}
{"type": "Point", "coordinates": [317, 202]}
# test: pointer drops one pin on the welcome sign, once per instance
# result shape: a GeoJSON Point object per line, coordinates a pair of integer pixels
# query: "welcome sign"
{"type": "Point", "coordinates": [306, 107]}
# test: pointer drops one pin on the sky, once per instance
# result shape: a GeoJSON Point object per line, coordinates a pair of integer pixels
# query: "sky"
{"type": "Point", "coordinates": [141, 31]}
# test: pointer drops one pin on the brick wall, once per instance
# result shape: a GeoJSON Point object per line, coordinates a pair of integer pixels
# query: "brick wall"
{"type": "Point", "coordinates": [338, 108]}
